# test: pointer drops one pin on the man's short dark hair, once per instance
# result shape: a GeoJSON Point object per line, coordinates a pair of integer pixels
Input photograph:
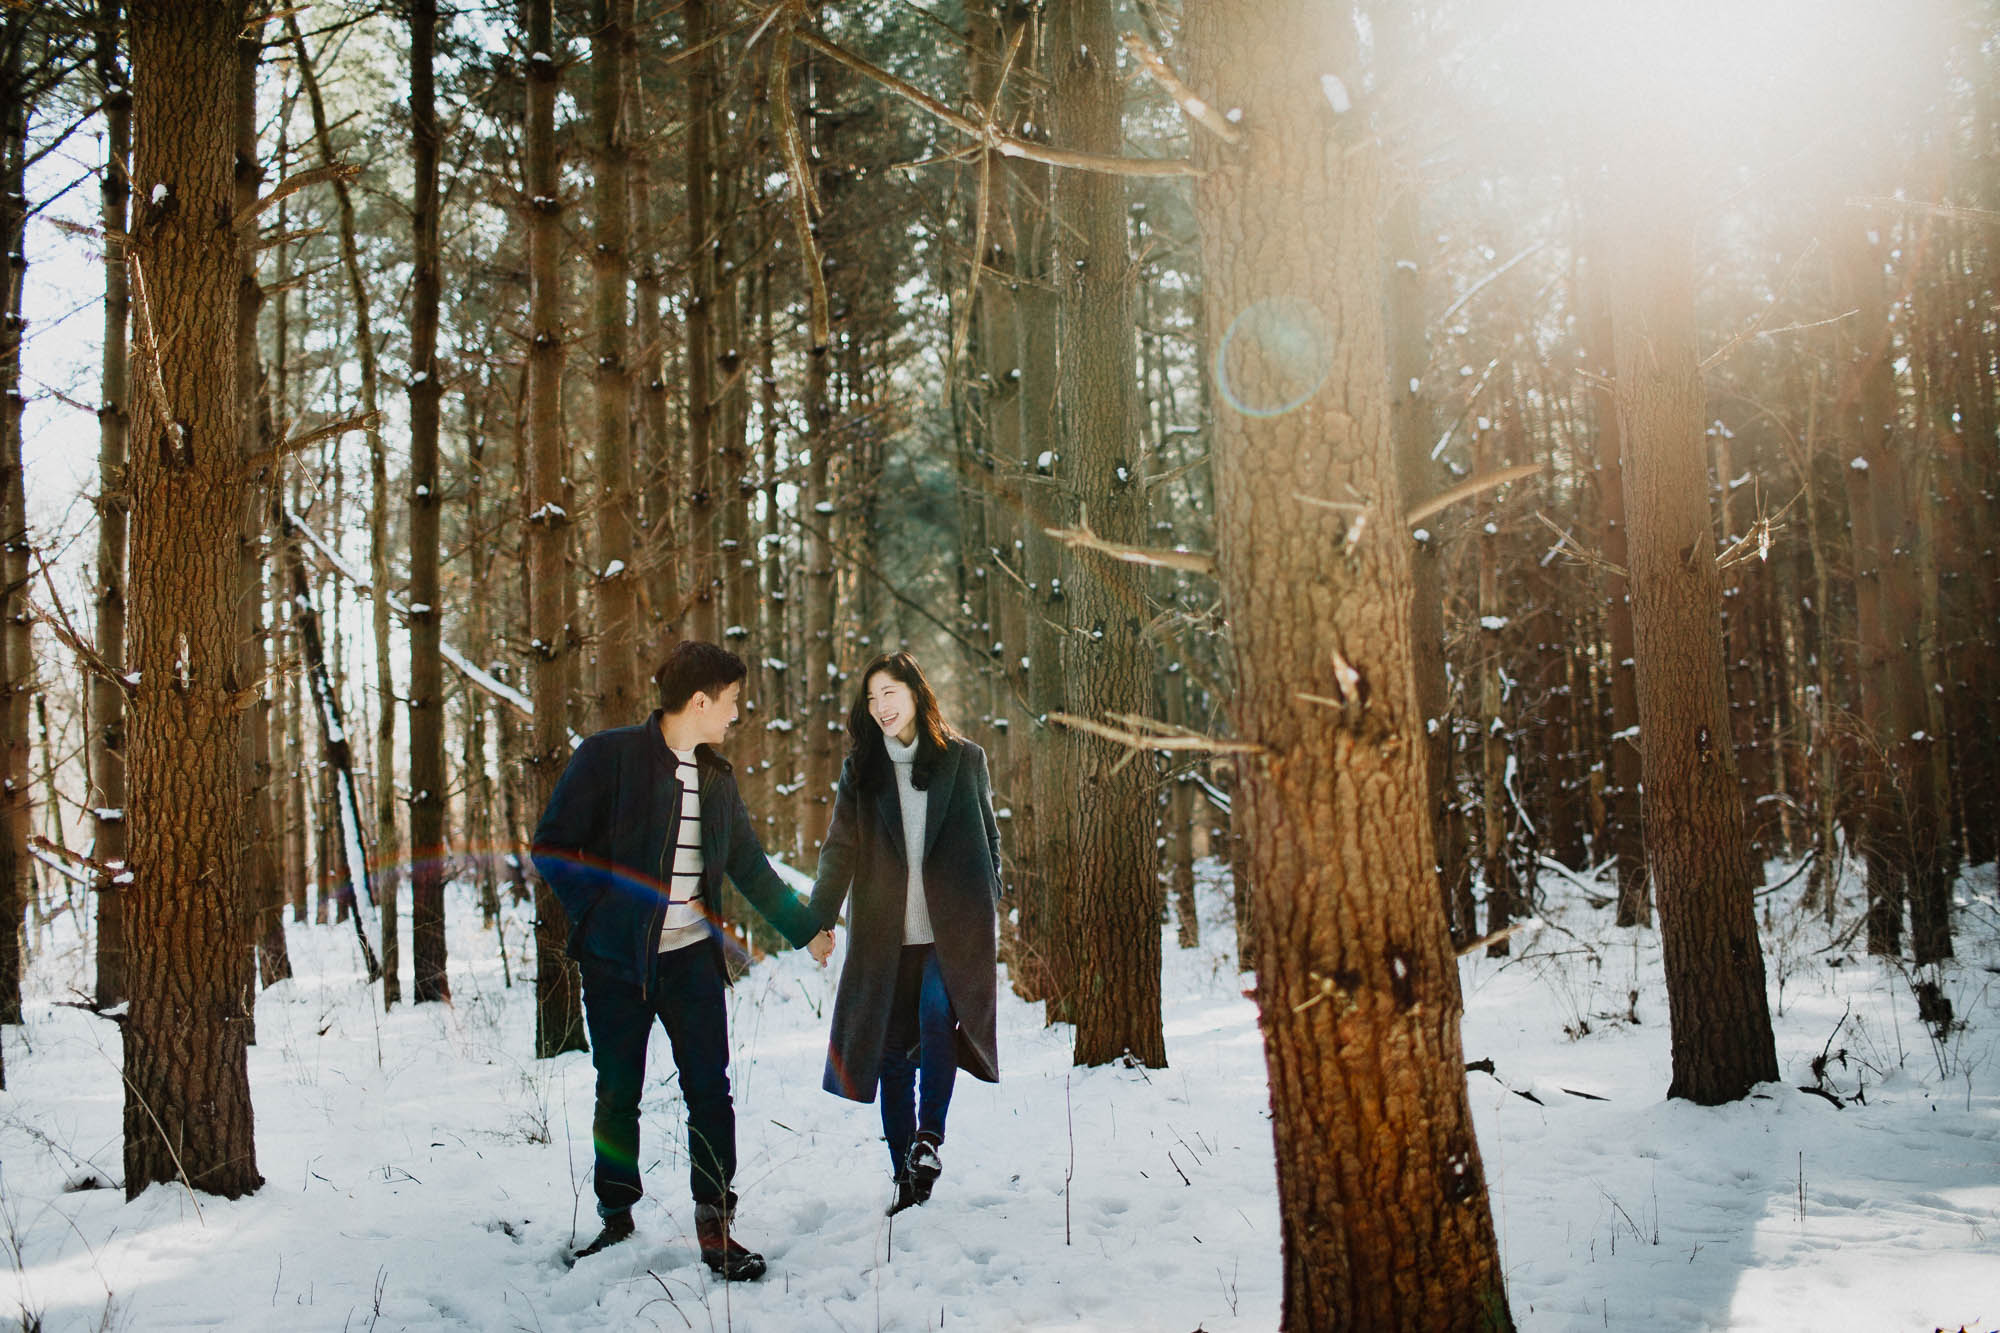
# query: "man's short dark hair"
{"type": "Point", "coordinates": [695, 666]}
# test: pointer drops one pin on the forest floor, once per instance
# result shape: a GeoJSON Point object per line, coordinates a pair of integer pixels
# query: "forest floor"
{"type": "Point", "coordinates": [422, 1172]}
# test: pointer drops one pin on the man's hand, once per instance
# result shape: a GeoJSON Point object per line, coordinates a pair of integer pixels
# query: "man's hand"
{"type": "Point", "coordinates": [820, 947]}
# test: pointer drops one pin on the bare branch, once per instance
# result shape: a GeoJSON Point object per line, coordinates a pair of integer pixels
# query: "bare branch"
{"type": "Point", "coordinates": [77, 859]}
{"type": "Point", "coordinates": [1505, 932]}
{"type": "Point", "coordinates": [1755, 325]}
{"type": "Point", "coordinates": [277, 238]}
{"type": "Point", "coordinates": [331, 171]}
{"type": "Point", "coordinates": [1194, 562]}
{"type": "Point", "coordinates": [1005, 145]}
{"type": "Point", "coordinates": [1198, 109]}
{"type": "Point", "coordinates": [1468, 488]}
{"type": "Point", "coordinates": [70, 637]}
{"type": "Point", "coordinates": [1582, 555]}
{"type": "Point", "coordinates": [803, 201]}
{"type": "Point", "coordinates": [265, 457]}
{"type": "Point", "coordinates": [1135, 740]}
{"type": "Point", "coordinates": [1948, 212]}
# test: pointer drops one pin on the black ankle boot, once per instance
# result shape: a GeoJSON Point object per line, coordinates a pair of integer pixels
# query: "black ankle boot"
{"type": "Point", "coordinates": [906, 1193]}
{"type": "Point", "coordinates": [925, 1164]}
{"type": "Point", "coordinates": [617, 1226]}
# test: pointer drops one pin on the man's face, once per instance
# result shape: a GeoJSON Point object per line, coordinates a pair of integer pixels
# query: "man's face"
{"type": "Point", "coordinates": [717, 713]}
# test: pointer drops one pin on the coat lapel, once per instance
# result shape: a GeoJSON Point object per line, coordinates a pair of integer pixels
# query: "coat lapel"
{"type": "Point", "coordinates": [940, 795]}
{"type": "Point", "coordinates": [889, 808]}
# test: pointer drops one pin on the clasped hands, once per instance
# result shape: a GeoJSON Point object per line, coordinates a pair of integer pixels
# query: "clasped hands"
{"type": "Point", "coordinates": [820, 947]}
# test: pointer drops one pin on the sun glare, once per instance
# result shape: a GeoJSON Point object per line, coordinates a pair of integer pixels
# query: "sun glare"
{"type": "Point", "coordinates": [1722, 77]}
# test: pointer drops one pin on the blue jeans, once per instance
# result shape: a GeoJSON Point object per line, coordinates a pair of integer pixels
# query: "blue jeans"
{"type": "Point", "coordinates": [685, 993]}
{"type": "Point", "coordinates": [916, 1092]}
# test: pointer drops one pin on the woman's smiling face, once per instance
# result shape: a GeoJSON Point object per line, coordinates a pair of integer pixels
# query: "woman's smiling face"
{"type": "Point", "coordinates": [892, 706]}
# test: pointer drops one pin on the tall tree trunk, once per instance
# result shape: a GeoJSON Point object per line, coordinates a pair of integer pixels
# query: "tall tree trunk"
{"type": "Point", "coordinates": [558, 996]}
{"type": "Point", "coordinates": [1113, 896]}
{"type": "Point", "coordinates": [655, 463]}
{"type": "Point", "coordinates": [187, 1086]}
{"type": "Point", "coordinates": [427, 776]}
{"type": "Point", "coordinates": [821, 687]}
{"type": "Point", "coordinates": [620, 684]}
{"type": "Point", "coordinates": [1902, 822]}
{"type": "Point", "coordinates": [107, 698]}
{"type": "Point", "coordinates": [1696, 845]}
{"type": "Point", "coordinates": [1496, 854]}
{"type": "Point", "coordinates": [1405, 251]}
{"type": "Point", "coordinates": [265, 947]}
{"type": "Point", "coordinates": [1382, 1199]}
{"type": "Point", "coordinates": [1042, 969]}
{"type": "Point", "coordinates": [1621, 792]}
{"type": "Point", "coordinates": [1868, 425]}
{"type": "Point", "coordinates": [697, 16]}
{"type": "Point", "coordinates": [388, 852]}
{"type": "Point", "coordinates": [17, 666]}
{"type": "Point", "coordinates": [1738, 650]}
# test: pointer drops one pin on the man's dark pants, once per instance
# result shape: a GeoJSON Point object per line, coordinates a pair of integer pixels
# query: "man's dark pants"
{"type": "Point", "coordinates": [685, 992]}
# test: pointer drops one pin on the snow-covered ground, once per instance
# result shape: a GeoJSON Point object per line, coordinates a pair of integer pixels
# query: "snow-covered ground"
{"type": "Point", "coordinates": [423, 1172]}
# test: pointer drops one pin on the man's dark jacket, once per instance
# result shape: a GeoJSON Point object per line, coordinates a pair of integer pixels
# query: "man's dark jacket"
{"type": "Point", "coordinates": [605, 842]}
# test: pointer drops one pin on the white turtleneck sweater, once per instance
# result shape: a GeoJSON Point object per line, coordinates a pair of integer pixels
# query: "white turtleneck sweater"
{"type": "Point", "coordinates": [916, 911]}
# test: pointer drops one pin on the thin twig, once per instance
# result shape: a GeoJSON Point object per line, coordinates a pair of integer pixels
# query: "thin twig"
{"type": "Point", "coordinates": [1006, 145]}
{"type": "Point", "coordinates": [1949, 212]}
{"type": "Point", "coordinates": [1194, 562]}
{"type": "Point", "coordinates": [1136, 741]}
{"type": "Point", "coordinates": [1495, 937]}
{"type": "Point", "coordinates": [292, 184]}
{"type": "Point", "coordinates": [1751, 330]}
{"type": "Point", "coordinates": [803, 201]}
{"type": "Point", "coordinates": [1468, 488]}
{"type": "Point", "coordinates": [1198, 109]}
{"type": "Point", "coordinates": [1580, 553]}
{"type": "Point", "coordinates": [73, 858]}
{"type": "Point", "coordinates": [265, 457]}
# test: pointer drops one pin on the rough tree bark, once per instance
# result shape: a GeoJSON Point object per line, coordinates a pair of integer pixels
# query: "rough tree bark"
{"type": "Point", "coordinates": [16, 646]}
{"type": "Point", "coordinates": [697, 18]}
{"type": "Point", "coordinates": [187, 1087]}
{"type": "Point", "coordinates": [107, 699]}
{"type": "Point", "coordinates": [1621, 791]}
{"type": "Point", "coordinates": [558, 993]}
{"type": "Point", "coordinates": [1697, 850]}
{"type": "Point", "coordinates": [1112, 899]}
{"type": "Point", "coordinates": [387, 853]}
{"type": "Point", "coordinates": [621, 675]}
{"type": "Point", "coordinates": [1382, 1198]}
{"type": "Point", "coordinates": [429, 978]}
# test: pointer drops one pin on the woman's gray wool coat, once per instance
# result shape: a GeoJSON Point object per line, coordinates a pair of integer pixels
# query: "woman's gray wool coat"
{"type": "Point", "coordinates": [864, 854]}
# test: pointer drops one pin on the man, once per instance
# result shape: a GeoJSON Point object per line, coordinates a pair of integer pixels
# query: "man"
{"type": "Point", "coordinates": [635, 841]}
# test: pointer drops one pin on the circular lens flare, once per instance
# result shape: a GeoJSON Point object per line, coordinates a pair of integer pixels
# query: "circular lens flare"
{"type": "Point", "coordinates": [1273, 357]}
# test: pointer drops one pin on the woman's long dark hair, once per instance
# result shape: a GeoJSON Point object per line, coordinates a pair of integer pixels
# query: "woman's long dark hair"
{"type": "Point", "coordinates": [864, 734]}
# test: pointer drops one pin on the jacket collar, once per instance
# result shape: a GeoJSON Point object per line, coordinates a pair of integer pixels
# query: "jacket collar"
{"type": "Point", "coordinates": [705, 756]}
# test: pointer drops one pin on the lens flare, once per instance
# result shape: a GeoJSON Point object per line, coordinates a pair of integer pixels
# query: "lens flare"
{"type": "Point", "coordinates": [1273, 357]}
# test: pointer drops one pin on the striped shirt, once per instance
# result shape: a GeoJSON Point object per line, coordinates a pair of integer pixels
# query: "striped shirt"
{"type": "Point", "coordinates": [686, 923]}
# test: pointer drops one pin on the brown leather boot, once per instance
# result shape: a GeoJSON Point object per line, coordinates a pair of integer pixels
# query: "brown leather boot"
{"type": "Point", "coordinates": [719, 1250]}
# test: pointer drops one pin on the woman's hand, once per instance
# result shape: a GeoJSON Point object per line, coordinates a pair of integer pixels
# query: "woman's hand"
{"type": "Point", "coordinates": [820, 947]}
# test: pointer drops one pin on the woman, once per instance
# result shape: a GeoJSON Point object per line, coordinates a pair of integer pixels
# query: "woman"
{"type": "Point", "coordinates": [914, 841]}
